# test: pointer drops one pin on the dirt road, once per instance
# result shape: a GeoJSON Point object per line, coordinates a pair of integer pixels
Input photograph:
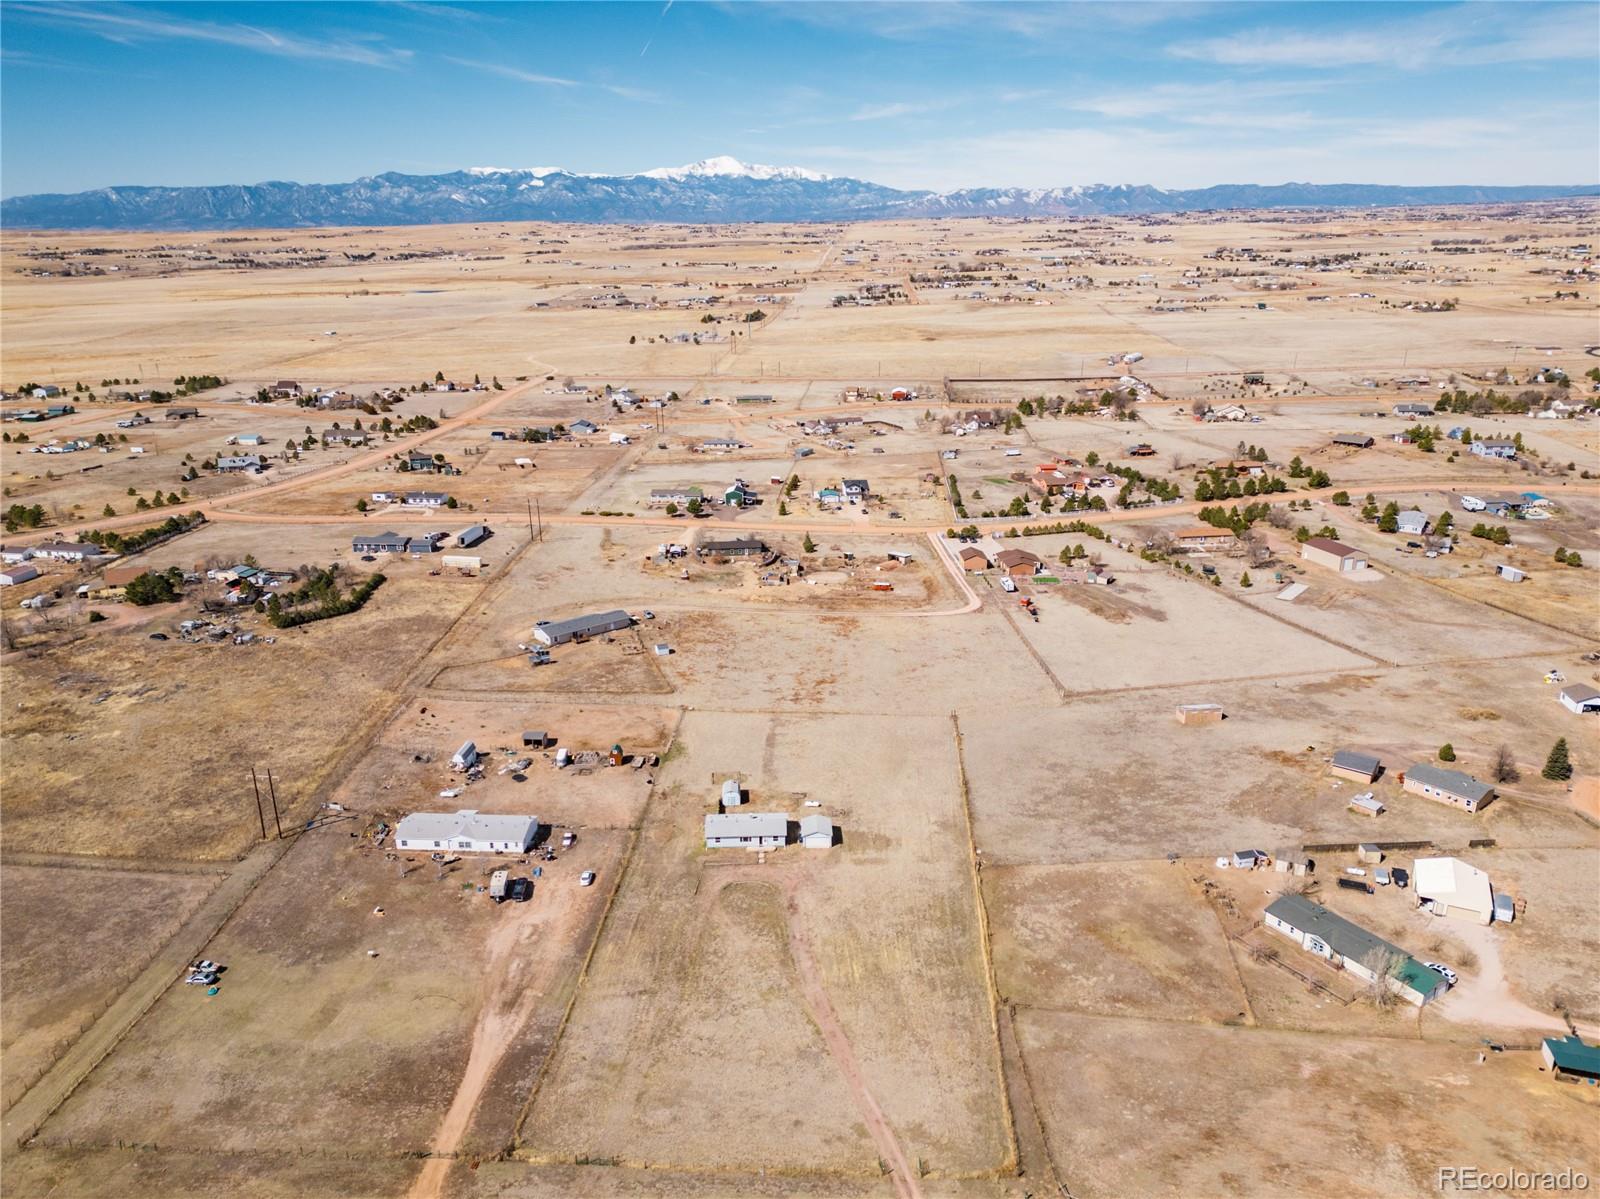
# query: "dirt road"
{"type": "Point", "coordinates": [520, 957]}
{"type": "Point", "coordinates": [815, 994]}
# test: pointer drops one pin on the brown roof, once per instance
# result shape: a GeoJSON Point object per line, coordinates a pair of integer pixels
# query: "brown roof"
{"type": "Point", "coordinates": [1330, 546]}
{"type": "Point", "coordinates": [1201, 531]}
{"type": "Point", "coordinates": [1017, 558]}
{"type": "Point", "coordinates": [972, 551]}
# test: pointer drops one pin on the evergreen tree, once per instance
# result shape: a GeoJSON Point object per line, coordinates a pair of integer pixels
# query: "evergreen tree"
{"type": "Point", "coordinates": [1447, 752]}
{"type": "Point", "coordinates": [1558, 766]}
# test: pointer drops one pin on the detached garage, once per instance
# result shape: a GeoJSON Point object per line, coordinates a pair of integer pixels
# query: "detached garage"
{"type": "Point", "coordinates": [1453, 888]}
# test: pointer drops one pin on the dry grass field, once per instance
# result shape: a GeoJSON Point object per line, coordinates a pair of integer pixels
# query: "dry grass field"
{"type": "Point", "coordinates": [1020, 959]}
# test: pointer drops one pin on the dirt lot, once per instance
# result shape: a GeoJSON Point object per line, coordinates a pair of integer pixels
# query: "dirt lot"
{"type": "Point", "coordinates": [74, 938]}
{"type": "Point", "coordinates": [1386, 1113]}
{"type": "Point", "coordinates": [290, 1045]}
{"type": "Point", "coordinates": [720, 940]}
{"type": "Point", "coordinates": [150, 743]}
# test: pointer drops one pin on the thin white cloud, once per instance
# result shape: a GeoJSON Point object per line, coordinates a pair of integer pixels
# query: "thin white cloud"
{"type": "Point", "coordinates": [1464, 35]}
{"type": "Point", "coordinates": [534, 77]}
{"type": "Point", "coordinates": [136, 26]}
{"type": "Point", "coordinates": [516, 73]}
{"type": "Point", "coordinates": [888, 112]}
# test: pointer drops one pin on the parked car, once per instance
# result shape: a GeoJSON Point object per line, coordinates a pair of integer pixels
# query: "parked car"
{"type": "Point", "coordinates": [567, 839]}
{"type": "Point", "coordinates": [1399, 876]}
{"type": "Point", "coordinates": [520, 890]}
{"type": "Point", "coordinates": [1444, 972]}
{"type": "Point", "coordinates": [159, 637]}
{"type": "Point", "coordinates": [586, 879]}
{"type": "Point", "coordinates": [201, 980]}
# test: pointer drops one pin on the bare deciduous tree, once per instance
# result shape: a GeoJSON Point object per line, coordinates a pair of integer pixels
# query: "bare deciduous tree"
{"type": "Point", "coordinates": [1504, 768]}
{"type": "Point", "coordinates": [1384, 963]}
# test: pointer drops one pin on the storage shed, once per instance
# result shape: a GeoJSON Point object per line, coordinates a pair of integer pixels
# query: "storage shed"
{"type": "Point", "coordinates": [1580, 698]}
{"type": "Point", "coordinates": [1569, 1058]}
{"type": "Point", "coordinates": [1335, 555]}
{"type": "Point", "coordinates": [1348, 764]}
{"type": "Point", "coordinates": [1200, 714]}
{"type": "Point", "coordinates": [732, 793]}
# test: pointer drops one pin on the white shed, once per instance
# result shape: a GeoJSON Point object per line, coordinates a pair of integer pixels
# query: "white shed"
{"type": "Point", "coordinates": [732, 794]}
{"type": "Point", "coordinates": [465, 758]}
{"type": "Point", "coordinates": [20, 573]}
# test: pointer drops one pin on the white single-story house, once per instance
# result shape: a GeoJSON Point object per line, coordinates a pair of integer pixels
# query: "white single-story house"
{"type": "Point", "coordinates": [426, 499]}
{"type": "Point", "coordinates": [816, 832]}
{"type": "Point", "coordinates": [1494, 447]}
{"type": "Point", "coordinates": [746, 830]}
{"type": "Point", "coordinates": [1453, 888]}
{"type": "Point", "coordinates": [1350, 947]}
{"type": "Point", "coordinates": [466, 831]}
{"type": "Point", "coordinates": [1412, 522]}
{"type": "Point", "coordinates": [1580, 698]}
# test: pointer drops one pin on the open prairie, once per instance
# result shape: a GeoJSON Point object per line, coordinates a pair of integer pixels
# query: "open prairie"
{"type": "Point", "coordinates": [929, 579]}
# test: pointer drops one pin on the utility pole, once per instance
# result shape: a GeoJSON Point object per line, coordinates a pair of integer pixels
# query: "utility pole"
{"type": "Point", "coordinates": [539, 509]}
{"type": "Point", "coordinates": [254, 782]}
{"type": "Point", "coordinates": [273, 791]}
{"type": "Point", "coordinates": [529, 504]}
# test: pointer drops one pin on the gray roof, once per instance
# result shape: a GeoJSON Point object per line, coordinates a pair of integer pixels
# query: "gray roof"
{"type": "Point", "coordinates": [1580, 693]}
{"type": "Point", "coordinates": [379, 539]}
{"type": "Point", "coordinates": [810, 825]}
{"type": "Point", "coordinates": [1348, 759]}
{"type": "Point", "coordinates": [748, 544]}
{"type": "Point", "coordinates": [447, 826]}
{"type": "Point", "coordinates": [1349, 940]}
{"type": "Point", "coordinates": [582, 626]}
{"type": "Point", "coordinates": [1452, 781]}
{"type": "Point", "coordinates": [1359, 439]}
{"type": "Point", "coordinates": [747, 824]}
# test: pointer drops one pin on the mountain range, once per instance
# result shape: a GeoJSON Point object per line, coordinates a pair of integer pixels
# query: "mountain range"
{"type": "Point", "coordinates": [716, 190]}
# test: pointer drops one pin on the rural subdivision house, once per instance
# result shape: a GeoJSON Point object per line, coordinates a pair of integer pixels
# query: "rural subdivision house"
{"type": "Point", "coordinates": [675, 495]}
{"type": "Point", "coordinates": [1412, 523]}
{"type": "Point", "coordinates": [1019, 564]}
{"type": "Point", "coordinates": [379, 543]}
{"type": "Point", "coordinates": [972, 558]}
{"type": "Point", "coordinates": [737, 547]}
{"type": "Point", "coordinates": [1360, 768]}
{"type": "Point", "coordinates": [345, 437]}
{"type": "Point", "coordinates": [579, 628]}
{"type": "Point", "coordinates": [228, 463]}
{"type": "Point", "coordinates": [426, 499]}
{"type": "Point", "coordinates": [1348, 946]}
{"type": "Point", "coordinates": [1412, 410]}
{"type": "Point", "coordinates": [466, 831]}
{"type": "Point", "coordinates": [1453, 888]}
{"type": "Point", "coordinates": [1447, 786]}
{"type": "Point", "coordinates": [1580, 698]}
{"type": "Point", "coordinates": [746, 830]}
{"type": "Point", "coordinates": [1335, 555]}
{"type": "Point", "coordinates": [1203, 539]}
{"type": "Point", "coordinates": [69, 551]}
{"type": "Point", "coordinates": [856, 490]}
{"type": "Point", "coordinates": [1494, 447]}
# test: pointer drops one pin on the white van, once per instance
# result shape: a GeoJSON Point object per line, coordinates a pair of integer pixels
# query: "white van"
{"type": "Point", "coordinates": [1472, 503]}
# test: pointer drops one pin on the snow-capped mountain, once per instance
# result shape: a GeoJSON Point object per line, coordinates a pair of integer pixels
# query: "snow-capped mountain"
{"type": "Point", "coordinates": [720, 189]}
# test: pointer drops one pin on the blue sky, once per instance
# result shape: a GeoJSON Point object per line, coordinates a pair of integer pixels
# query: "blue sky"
{"type": "Point", "coordinates": [915, 95]}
